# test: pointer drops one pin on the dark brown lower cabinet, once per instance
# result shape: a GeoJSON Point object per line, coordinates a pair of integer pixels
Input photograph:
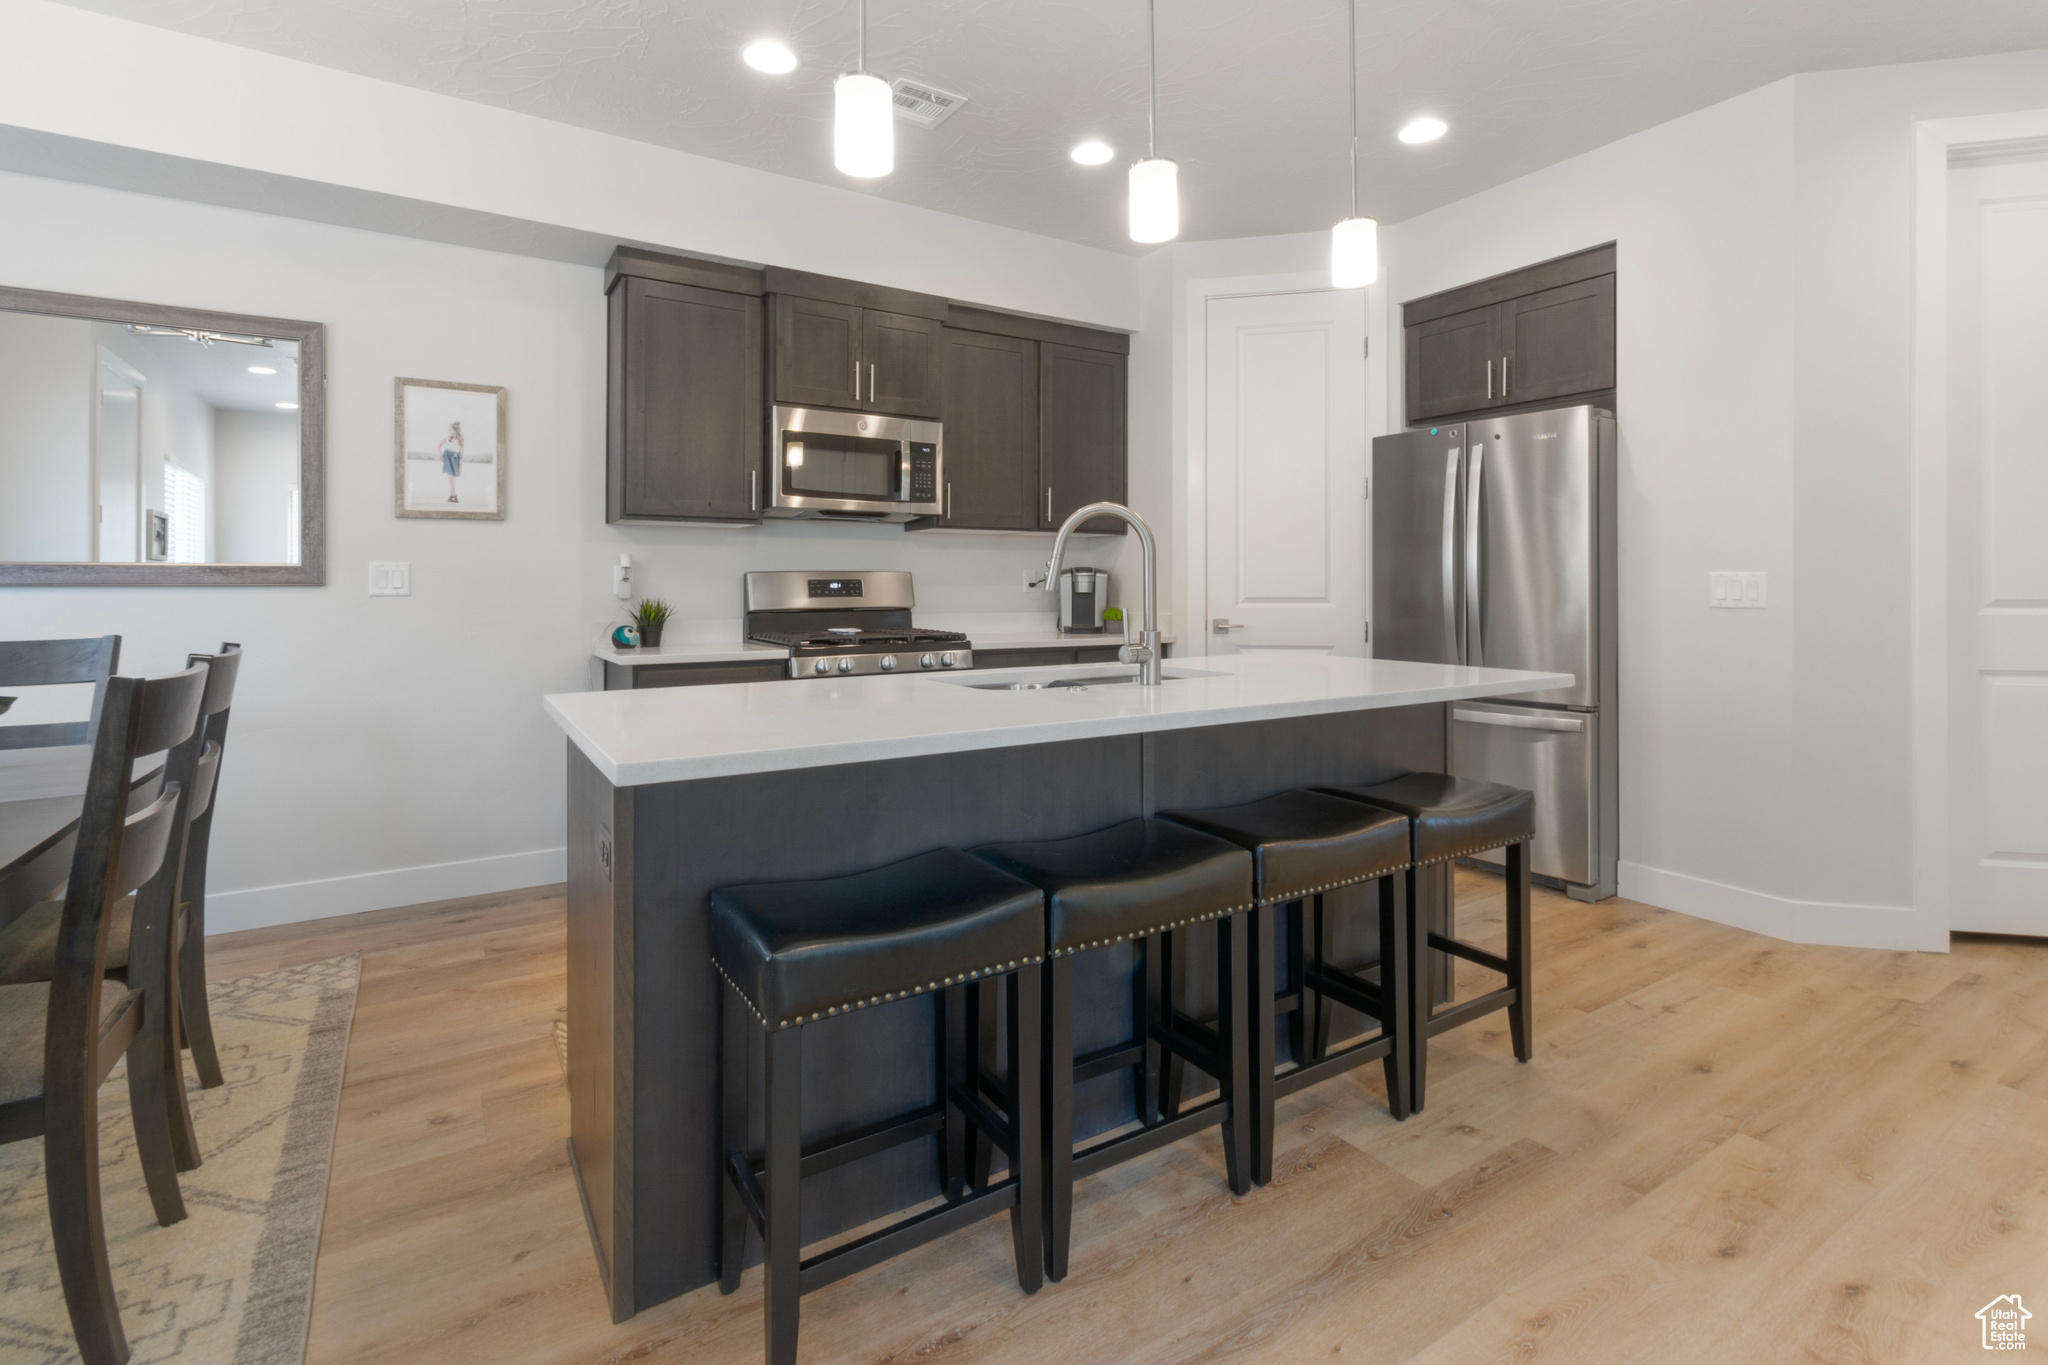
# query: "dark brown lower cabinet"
{"type": "Point", "coordinates": [687, 405]}
{"type": "Point", "coordinates": [619, 677]}
{"type": "Point", "coordinates": [1082, 436]}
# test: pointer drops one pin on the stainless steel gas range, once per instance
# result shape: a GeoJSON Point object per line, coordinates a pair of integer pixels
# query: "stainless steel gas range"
{"type": "Point", "coordinates": [839, 625]}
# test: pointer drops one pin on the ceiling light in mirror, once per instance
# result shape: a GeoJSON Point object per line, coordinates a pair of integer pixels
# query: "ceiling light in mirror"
{"type": "Point", "coordinates": [261, 369]}
{"type": "Point", "coordinates": [769, 56]}
{"type": "Point", "coordinates": [1092, 153]}
{"type": "Point", "coordinates": [289, 406]}
{"type": "Point", "coordinates": [1423, 130]}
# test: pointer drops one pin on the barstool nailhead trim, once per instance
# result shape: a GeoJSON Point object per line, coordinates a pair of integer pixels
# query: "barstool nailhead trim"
{"type": "Point", "coordinates": [1283, 897]}
{"type": "Point", "coordinates": [1468, 852]}
{"type": "Point", "coordinates": [1155, 929]}
{"type": "Point", "coordinates": [999, 969]}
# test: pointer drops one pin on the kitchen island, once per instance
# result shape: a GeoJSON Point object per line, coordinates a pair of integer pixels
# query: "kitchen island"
{"type": "Point", "coordinates": [673, 792]}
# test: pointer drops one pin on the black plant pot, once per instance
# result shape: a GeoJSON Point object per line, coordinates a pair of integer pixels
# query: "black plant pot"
{"type": "Point", "coordinates": [650, 636]}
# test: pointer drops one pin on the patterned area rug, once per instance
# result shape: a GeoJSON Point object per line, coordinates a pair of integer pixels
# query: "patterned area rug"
{"type": "Point", "coordinates": [233, 1283]}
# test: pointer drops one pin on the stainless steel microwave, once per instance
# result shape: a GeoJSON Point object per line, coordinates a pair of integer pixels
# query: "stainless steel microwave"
{"type": "Point", "coordinates": [854, 466]}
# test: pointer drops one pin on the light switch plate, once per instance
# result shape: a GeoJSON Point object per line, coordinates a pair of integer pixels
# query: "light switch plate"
{"type": "Point", "coordinates": [390, 578]}
{"type": "Point", "coordinates": [1733, 591]}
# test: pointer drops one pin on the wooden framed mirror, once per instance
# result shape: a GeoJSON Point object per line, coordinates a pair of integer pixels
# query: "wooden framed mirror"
{"type": "Point", "coordinates": [146, 444]}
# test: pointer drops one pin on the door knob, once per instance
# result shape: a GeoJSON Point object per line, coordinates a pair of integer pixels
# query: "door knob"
{"type": "Point", "coordinates": [1223, 625]}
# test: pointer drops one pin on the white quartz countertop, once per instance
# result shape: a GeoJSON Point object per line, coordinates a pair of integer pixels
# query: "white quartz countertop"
{"type": "Point", "coordinates": [672, 734]}
{"type": "Point", "coordinates": [735, 650]}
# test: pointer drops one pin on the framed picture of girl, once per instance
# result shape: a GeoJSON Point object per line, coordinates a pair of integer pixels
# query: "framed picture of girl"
{"type": "Point", "coordinates": [451, 450]}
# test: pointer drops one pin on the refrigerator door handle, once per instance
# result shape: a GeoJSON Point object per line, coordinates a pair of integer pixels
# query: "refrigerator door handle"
{"type": "Point", "coordinates": [1452, 639]}
{"type": "Point", "coordinates": [1570, 724]}
{"type": "Point", "coordinates": [1475, 639]}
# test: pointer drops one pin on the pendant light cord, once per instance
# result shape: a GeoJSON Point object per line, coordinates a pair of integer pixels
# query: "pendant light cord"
{"type": "Point", "coordinates": [864, 71]}
{"type": "Point", "coordinates": [1351, 12]}
{"type": "Point", "coordinates": [1152, 87]}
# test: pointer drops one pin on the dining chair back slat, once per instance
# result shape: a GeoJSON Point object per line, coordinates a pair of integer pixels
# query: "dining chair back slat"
{"type": "Point", "coordinates": [53, 663]}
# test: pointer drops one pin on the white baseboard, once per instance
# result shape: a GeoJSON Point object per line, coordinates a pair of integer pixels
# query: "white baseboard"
{"type": "Point", "coordinates": [1830, 922]}
{"type": "Point", "coordinates": [261, 906]}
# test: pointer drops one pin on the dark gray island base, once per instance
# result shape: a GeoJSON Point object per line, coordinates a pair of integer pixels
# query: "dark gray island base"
{"type": "Point", "coordinates": [644, 1004]}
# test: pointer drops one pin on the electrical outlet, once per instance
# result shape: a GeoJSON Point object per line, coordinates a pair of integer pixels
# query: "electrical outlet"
{"type": "Point", "coordinates": [1034, 579]}
{"type": "Point", "coordinates": [389, 578]}
{"type": "Point", "coordinates": [1736, 591]}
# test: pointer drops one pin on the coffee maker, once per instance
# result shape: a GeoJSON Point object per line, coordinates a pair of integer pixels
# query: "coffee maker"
{"type": "Point", "coordinates": [1084, 594]}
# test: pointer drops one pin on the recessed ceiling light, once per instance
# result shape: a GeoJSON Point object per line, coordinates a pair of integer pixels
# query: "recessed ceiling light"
{"type": "Point", "coordinates": [1092, 153]}
{"type": "Point", "coordinates": [1424, 130]}
{"type": "Point", "coordinates": [765, 54]}
{"type": "Point", "coordinates": [292, 406]}
{"type": "Point", "coordinates": [261, 369]}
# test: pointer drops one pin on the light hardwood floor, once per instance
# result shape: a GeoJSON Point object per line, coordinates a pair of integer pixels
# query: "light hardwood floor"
{"type": "Point", "coordinates": [1727, 1149]}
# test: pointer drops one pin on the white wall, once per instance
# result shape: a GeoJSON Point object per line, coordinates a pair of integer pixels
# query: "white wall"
{"type": "Point", "coordinates": [46, 402]}
{"type": "Point", "coordinates": [1763, 334]}
{"type": "Point", "coordinates": [255, 470]}
{"type": "Point", "coordinates": [393, 750]}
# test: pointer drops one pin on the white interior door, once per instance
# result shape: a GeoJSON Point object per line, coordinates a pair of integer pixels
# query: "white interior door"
{"type": "Point", "coordinates": [1999, 548]}
{"type": "Point", "coordinates": [117, 454]}
{"type": "Point", "coordinates": [1285, 478]}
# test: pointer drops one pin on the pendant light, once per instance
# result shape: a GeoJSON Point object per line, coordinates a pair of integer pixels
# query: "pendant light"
{"type": "Point", "coordinates": [863, 118]}
{"type": "Point", "coordinates": [1355, 242]}
{"type": "Point", "coordinates": [1155, 189]}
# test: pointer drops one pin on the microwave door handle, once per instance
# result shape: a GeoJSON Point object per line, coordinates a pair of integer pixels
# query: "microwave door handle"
{"type": "Point", "coordinates": [1453, 642]}
{"type": "Point", "coordinates": [1475, 620]}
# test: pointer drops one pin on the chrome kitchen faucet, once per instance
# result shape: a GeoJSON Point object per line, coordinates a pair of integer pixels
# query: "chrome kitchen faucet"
{"type": "Point", "coordinates": [1145, 654]}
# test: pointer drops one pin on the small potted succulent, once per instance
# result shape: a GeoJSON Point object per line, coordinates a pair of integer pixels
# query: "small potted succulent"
{"type": "Point", "coordinates": [650, 615]}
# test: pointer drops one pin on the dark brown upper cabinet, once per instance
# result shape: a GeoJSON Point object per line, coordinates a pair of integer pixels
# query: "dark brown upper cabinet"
{"type": "Point", "coordinates": [1450, 363]}
{"type": "Point", "coordinates": [1560, 342]}
{"type": "Point", "coordinates": [817, 361]}
{"type": "Point", "coordinates": [1082, 438]}
{"type": "Point", "coordinates": [991, 440]}
{"type": "Point", "coordinates": [842, 344]}
{"type": "Point", "coordinates": [905, 370]}
{"type": "Point", "coordinates": [687, 403]}
{"type": "Point", "coordinates": [1528, 338]}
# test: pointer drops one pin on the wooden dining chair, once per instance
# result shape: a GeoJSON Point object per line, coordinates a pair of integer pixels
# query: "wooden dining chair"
{"type": "Point", "coordinates": [60, 1038]}
{"type": "Point", "coordinates": [30, 877]}
{"type": "Point", "coordinates": [28, 943]}
{"type": "Point", "coordinates": [222, 669]}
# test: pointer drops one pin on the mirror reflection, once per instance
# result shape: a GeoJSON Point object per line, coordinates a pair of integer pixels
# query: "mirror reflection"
{"type": "Point", "coordinates": [132, 443]}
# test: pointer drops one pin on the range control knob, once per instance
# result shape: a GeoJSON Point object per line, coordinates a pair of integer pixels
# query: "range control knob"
{"type": "Point", "coordinates": [926, 661]}
{"type": "Point", "coordinates": [888, 663]}
{"type": "Point", "coordinates": [947, 661]}
{"type": "Point", "coordinates": [822, 666]}
{"type": "Point", "coordinates": [846, 665]}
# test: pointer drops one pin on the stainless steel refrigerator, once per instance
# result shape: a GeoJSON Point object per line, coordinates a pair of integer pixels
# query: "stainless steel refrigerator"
{"type": "Point", "coordinates": [1493, 544]}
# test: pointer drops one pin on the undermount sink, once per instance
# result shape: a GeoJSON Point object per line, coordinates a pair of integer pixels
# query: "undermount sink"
{"type": "Point", "coordinates": [1074, 684]}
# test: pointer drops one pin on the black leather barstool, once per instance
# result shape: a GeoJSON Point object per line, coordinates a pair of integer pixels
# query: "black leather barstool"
{"type": "Point", "coordinates": [1305, 843]}
{"type": "Point", "coordinates": [795, 953]}
{"type": "Point", "coordinates": [1134, 881]}
{"type": "Point", "coordinates": [1450, 818]}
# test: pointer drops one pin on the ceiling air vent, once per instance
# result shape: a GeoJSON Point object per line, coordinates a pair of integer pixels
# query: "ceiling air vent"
{"type": "Point", "coordinates": [925, 105]}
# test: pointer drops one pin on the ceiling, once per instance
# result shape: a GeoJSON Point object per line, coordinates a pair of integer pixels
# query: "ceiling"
{"type": "Point", "coordinates": [219, 373]}
{"type": "Point", "coordinates": [1252, 98]}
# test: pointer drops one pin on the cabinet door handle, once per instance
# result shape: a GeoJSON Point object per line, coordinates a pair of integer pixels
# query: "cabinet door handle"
{"type": "Point", "coordinates": [1503, 376]}
{"type": "Point", "coordinates": [1048, 502]}
{"type": "Point", "coordinates": [1489, 379]}
{"type": "Point", "coordinates": [949, 500]}
{"type": "Point", "coordinates": [753, 490]}
{"type": "Point", "coordinates": [871, 381]}
{"type": "Point", "coordinates": [856, 379]}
